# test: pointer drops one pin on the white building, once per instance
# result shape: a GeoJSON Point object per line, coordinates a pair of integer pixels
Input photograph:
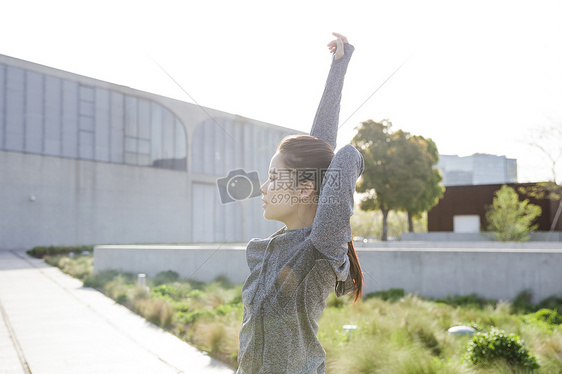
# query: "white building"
{"type": "Point", "coordinates": [477, 169]}
{"type": "Point", "coordinates": [84, 161]}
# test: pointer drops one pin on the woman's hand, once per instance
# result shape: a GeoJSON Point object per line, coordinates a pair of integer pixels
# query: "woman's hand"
{"type": "Point", "coordinates": [336, 46]}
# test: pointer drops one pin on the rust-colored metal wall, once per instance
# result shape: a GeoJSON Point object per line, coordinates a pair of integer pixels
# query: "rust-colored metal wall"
{"type": "Point", "coordinates": [474, 200]}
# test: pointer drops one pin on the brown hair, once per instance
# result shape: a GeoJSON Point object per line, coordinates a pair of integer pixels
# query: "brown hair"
{"type": "Point", "coordinates": [309, 152]}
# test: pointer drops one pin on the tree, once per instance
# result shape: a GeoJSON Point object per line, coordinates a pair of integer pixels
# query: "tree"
{"type": "Point", "coordinates": [510, 219]}
{"type": "Point", "coordinates": [543, 190]}
{"type": "Point", "coordinates": [421, 178]}
{"type": "Point", "coordinates": [548, 139]}
{"type": "Point", "coordinates": [399, 173]}
{"type": "Point", "coordinates": [373, 140]}
{"type": "Point", "coordinates": [546, 190]}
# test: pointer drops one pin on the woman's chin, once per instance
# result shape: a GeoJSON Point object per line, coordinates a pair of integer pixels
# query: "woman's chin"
{"type": "Point", "coordinates": [266, 215]}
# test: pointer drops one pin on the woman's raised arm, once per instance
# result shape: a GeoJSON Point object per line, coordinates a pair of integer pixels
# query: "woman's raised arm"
{"type": "Point", "coordinates": [325, 125]}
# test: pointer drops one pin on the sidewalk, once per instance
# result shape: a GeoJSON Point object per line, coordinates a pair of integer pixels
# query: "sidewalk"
{"type": "Point", "coordinates": [49, 323]}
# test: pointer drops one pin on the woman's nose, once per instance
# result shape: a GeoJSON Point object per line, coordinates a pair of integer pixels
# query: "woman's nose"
{"type": "Point", "coordinates": [263, 188]}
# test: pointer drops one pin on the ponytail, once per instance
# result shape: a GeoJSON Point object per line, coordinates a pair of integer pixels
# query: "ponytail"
{"type": "Point", "coordinates": [355, 271]}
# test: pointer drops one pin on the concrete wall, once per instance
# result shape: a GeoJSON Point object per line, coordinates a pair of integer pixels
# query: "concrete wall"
{"type": "Point", "coordinates": [198, 262]}
{"type": "Point", "coordinates": [491, 273]}
{"type": "Point", "coordinates": [446, 236]}
{"type": "Point", "coordinates": [495, 272]}
{"type": "Point", "coordinates": [85, 202]}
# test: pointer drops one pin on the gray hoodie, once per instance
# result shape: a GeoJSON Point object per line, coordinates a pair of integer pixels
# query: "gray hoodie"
{"type": "Point", "coordinates": [293, 271]}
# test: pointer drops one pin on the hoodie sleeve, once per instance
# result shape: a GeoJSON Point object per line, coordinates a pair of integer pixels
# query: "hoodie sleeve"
{"type": "Point", "coordinates": [331, 229]}
{"type": "Point", "coordinates": [325, 125]}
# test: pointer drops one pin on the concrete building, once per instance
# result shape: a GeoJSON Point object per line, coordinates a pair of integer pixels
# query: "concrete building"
{"type": "Point", "coordinates": [477, 169]}
{"type": "Point", "coordinates": [84, 161]}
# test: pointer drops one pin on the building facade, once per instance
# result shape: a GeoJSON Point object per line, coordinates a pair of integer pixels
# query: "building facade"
{"type": "Point", "coordinates": [84, 161]}
{"type": "Point", "coordinates": [463, 209]}
{"type": "Point", "coordinates": [477, 169]}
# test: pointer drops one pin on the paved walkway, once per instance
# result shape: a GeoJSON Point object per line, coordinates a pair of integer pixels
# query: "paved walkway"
{"type": "Point", "coordinates": [49, 323]}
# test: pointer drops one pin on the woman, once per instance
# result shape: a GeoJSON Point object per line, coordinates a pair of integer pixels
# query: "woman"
{"type": "Point", "coordinates": [292, 272]}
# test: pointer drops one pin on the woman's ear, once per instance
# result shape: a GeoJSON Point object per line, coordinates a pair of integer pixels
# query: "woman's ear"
{"type": "Point", "coordinates": [306, 190]}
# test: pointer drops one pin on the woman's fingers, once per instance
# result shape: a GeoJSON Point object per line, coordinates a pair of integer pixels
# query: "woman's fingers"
{"type": "Point", "coordinates": [332, 46]}
{"type": "Point", "coordinates": [340, 36]}
{"type": "Point", "coordinates": [336, 46]}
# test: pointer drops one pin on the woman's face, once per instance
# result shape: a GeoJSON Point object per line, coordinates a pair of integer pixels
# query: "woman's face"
{"type": "Point", "coordinates": [279, 194]}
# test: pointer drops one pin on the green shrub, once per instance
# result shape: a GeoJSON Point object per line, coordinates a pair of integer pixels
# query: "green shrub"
{"type": "Point", "coordinates": [486, 348]}
{"type": "Point", "coordinates": [163, 277]}
{"type": "Point", "coordinates": [393, 294]}
{"type": "Point", "coordinates": [510, 219]}
{"type": "Point", "coordinates": [545, 318]}
{"type": "Point", "coordinates": [118, 289]}
{"type": "Point", "coordinates": [223, 282]}
{"type": "Point", "coordinates": [552, 302]}
{"type": "Point", "coordinates": [225, 309]}
{"type": "Point", "coordinates": [41, 252]}
{"type": "Point", "coordinates": [180, 306]}
{"type": "Point", "coordinates": [196, 294]}
{"type": "Point", "coordinates": [522, 302]}
{"type": "Point", "coordinates": [79, 267]}
{"type": "Point", "coordinates": [165, 291]}
{"type": "Point", "coordinates": [190, 317]}
{"type": "Point", "coordinates": [100, 279]}
{"type": "Point", "coordinates": [549, 316]}
{"type": "Point", "coordinates": [471, 300]}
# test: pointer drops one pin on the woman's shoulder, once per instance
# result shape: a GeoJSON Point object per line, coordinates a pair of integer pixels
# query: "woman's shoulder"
{"type": "Point", "coordinates": [258, 243]}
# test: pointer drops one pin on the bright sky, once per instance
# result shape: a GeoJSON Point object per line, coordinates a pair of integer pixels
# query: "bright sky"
{"type": "Point", "coordinates": [481, 75]}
